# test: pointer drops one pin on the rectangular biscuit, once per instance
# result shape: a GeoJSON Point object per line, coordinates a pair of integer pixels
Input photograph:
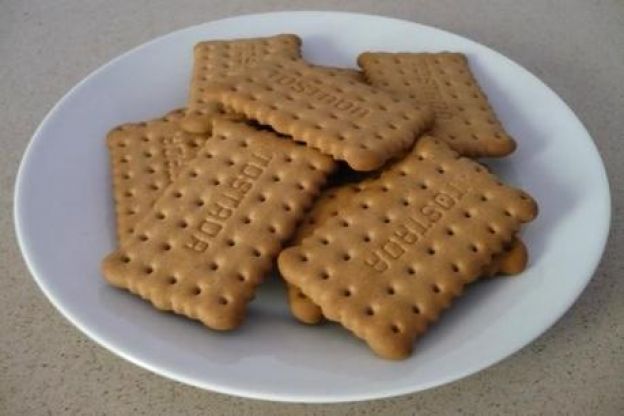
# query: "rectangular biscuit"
{"type": "Point", "coordinates": [463, 116]}
{"type": "Point", "coordinates": [211, 237]}
{"type": "Point", "coordinates": [145, 158]}
{"type": "Point", "coordinates": [395, 257]}
{"type": "Point", "coordinates": [346, 119]}
{"type": "Point", "coordinates": [512, 260]}
{"type": "Point", "coordinates": [217, 59]}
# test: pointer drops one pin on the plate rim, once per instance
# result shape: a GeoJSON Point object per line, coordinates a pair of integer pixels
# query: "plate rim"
{"type": "Point", "coordinates": [286, 397]}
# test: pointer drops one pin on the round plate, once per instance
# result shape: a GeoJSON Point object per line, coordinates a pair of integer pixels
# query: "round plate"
{"type": "Point", "coordinates": [65, 224]}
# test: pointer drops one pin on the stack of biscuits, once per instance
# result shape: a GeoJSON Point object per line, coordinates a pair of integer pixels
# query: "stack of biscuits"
{"type": "Point", "coordinates": [360, 185]}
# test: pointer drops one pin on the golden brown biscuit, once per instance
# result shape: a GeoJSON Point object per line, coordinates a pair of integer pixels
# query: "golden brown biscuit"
{"type": "Point", "coordinates": [463, 115]}
{"type": "Point", "coordinates": [211, 237]}
{"type": "Point", "coordinates": [346, 119]}
{"type": "Point", "coordinates": [392, 260]}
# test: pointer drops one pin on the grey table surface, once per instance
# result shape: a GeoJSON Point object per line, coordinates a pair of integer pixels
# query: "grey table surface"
{"type": "Point", "coordinates": [48, 367]}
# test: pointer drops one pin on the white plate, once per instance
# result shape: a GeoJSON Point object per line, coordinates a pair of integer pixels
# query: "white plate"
{"type": "Point", "coordinates": [65, 225]}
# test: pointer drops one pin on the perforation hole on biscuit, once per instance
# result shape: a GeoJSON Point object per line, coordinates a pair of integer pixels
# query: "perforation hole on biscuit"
{"type": "Point", "coordinates": [523, 196]}
{"type": "Point", "coordinates": [323, 240]}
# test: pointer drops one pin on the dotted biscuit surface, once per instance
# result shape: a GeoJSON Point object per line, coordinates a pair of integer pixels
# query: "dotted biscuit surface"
{"type": "Point", "coordinates": [216, 59]}
{"type": "Point", "coordinates": [512, 260]}
{"type": "Point", "coordinates": [395, 257]}
{"type": "Point", "coordinates": [347, 73]}
{"type": "Point", "coordinates": [212, 235]}
{"type": "Point", "coordinates": [145, 158]}
{"type": "Point", "coordinates": [344, 118]}
{"type": "Point", "coordinates": [463, 115]}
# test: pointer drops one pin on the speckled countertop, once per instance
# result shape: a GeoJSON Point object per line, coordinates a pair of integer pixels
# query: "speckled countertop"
{"type": "Point", "coordinates": [47, 367]}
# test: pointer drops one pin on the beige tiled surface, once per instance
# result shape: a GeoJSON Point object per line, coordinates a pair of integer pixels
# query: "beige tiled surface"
{"type": "Point", "coordinates": [47, 367]}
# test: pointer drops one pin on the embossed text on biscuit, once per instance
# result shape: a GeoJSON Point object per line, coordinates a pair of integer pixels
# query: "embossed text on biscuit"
{"type": "Point", "coordinates": [175, 153]}
{"type": "Point", "coordinates": [319, 94]}
{"type": "Point", "coordinates": [415, 226]}
{"type": "Point", "coordinates": [224, 203]}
